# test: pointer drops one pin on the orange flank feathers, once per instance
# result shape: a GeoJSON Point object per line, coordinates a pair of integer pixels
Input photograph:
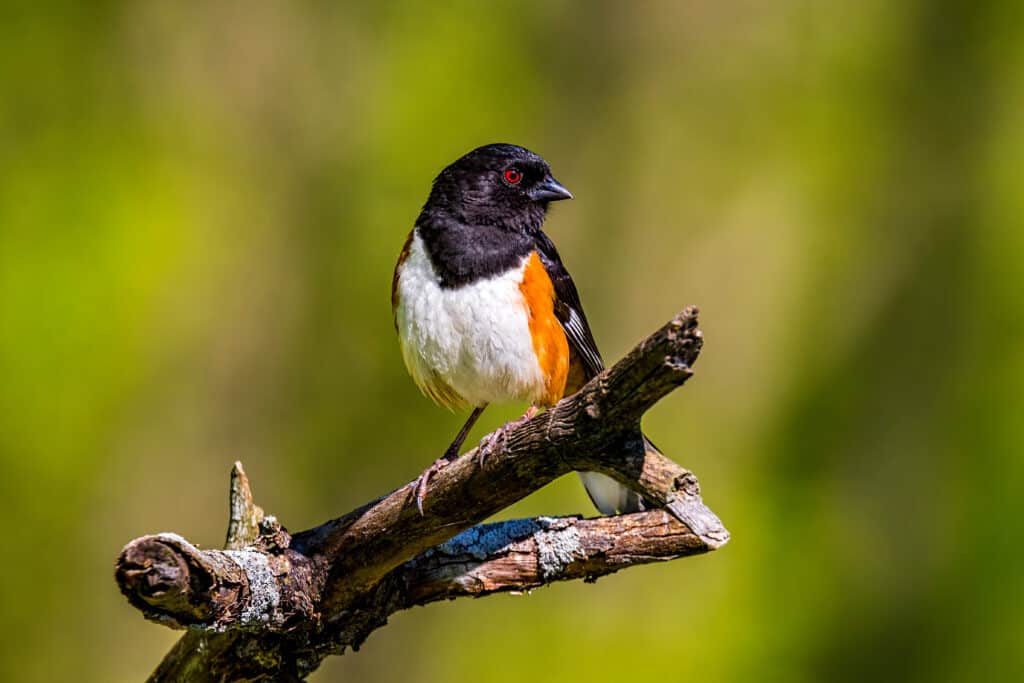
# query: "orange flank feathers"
{"type": "Point", "coordinates": [549, 342]}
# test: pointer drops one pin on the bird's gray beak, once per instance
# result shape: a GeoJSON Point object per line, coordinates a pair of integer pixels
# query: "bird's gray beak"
{"type": "Point", "coordinates": [550, 190]}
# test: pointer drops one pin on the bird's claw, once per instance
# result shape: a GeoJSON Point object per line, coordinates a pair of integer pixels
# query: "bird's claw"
{"type": "Point", "coordinates": [490, 442]}
{"type": "Point", "coordinates": [420, 484]}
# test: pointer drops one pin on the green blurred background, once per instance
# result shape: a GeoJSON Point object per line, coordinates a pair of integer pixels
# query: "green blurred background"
{"type": "Point", "coordinates": [200, 209]}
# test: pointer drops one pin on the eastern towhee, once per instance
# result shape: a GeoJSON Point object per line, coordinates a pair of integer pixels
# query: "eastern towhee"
{"type": "Point", "coordinates": [484, 308]}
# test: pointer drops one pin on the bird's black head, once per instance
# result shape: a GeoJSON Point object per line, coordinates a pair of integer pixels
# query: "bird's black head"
{"type": "Point", "coordinates": [501, 185]}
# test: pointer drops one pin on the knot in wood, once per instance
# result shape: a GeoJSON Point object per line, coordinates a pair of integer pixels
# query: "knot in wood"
{"type": "Point", "coordinates": [687, 483]}
{"type": "Point", "coordinates": [273, 537]}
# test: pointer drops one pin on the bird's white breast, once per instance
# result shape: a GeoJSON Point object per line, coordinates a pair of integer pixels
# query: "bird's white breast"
{"type": "Point", "coordinates": [474, 340]}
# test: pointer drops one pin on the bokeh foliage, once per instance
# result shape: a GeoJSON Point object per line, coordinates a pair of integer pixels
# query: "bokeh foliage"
{"type": "Point", "coordinates": [200, 207]}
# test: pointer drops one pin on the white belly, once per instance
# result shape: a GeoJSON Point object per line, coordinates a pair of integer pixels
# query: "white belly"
{"type": "Point", "coordinates": [474, 340]}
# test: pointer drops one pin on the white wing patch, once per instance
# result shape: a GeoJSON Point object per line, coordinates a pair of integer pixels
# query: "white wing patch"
{"type": "Point", "coordinates": [574, 328]}
{"type": "Point", "coordinates": [466, 345]}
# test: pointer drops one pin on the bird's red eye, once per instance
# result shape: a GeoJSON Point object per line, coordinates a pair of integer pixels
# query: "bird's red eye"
{"type": "Point", "coordinates": [513, 176]}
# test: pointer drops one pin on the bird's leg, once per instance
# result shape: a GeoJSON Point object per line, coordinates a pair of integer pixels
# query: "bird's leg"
{"type": "Point", "coordinates": [420, 485]}
{"type": "Point", "coordinates": [491, 441]}
{"type": "Point", "coordinates": [453, 449]}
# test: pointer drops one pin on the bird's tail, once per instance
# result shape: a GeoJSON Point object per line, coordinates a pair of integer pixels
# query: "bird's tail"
{"type": "Point", "coordinates": [611, 497]}
{"type": "Point", "coordinates": [608, 495]}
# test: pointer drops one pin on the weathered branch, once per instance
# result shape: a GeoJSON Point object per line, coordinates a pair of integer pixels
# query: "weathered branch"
{"type": "Point", "coordinates": [295, 599]}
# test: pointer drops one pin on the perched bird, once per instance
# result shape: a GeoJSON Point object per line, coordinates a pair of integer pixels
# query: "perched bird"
{"type": "Point", "coordinates": [484, 308]}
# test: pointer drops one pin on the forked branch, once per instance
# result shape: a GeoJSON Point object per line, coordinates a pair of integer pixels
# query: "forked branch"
{"type": "Point", "coordinates": [273, 605]}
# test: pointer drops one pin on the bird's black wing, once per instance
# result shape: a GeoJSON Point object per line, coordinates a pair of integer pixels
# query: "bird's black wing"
{"type": "Point", "coordinates": [568, 308]}
{"type": "Point", "coordinates": [606, 494]}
